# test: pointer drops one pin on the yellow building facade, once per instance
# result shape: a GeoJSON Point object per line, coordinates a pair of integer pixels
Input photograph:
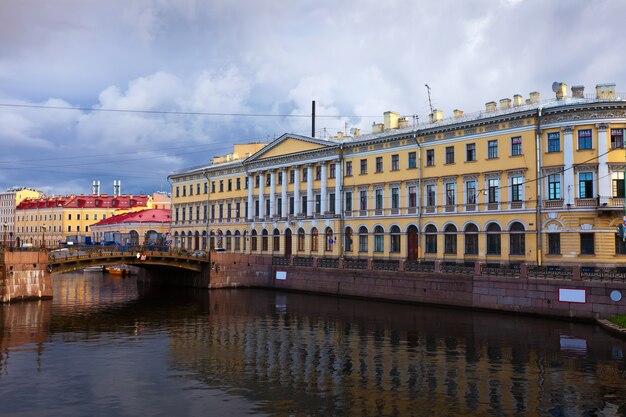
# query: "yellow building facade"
{"type": "Point", "coordinates": [524, 181]}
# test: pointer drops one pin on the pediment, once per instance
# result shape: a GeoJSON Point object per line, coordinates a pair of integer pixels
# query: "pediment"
{"type": "Point", "coordinates": [289, 144]}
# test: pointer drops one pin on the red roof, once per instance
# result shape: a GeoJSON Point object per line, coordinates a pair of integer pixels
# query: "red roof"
{"type": "Point", "coordinates": [143, 216]}
{"type": "Point", "coordinates": [85, 201]}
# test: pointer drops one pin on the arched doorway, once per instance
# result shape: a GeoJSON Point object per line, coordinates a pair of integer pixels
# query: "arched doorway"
{"type": "Point", "coordinates": [288, 242]}
{"type": "Point", "coordinates": [412, 243]}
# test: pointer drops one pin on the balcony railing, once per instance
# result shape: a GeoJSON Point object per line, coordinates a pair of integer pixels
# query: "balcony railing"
{"type": "Point", "coordinates": [550, 204]}
{"type": "Point", "coordinates": [586, 202]}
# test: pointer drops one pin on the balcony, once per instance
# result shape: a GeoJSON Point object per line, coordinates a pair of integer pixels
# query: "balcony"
{"type": "Point", "coordinates": [516, 205]}
{"type": "Point", "coordinates": [586, 202]}
{"type": "Point", "coordinates": [613, 204]}
{"type": "Point", "coordinates": [552, 204]}
{"type": "Point", "coordinates": [470, 207]}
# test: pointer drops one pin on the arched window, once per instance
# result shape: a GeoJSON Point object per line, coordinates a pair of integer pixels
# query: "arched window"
{"type": "Point", "coordinates": [471, 239]}
{"type": "Point", "coordinates": [189, 240]}
{"type": "Point", "coordinates": [228, 241]}
{"type": "Point", "coordinates": [314, 239]}
{"type": "Point", "coordinates": [493, 239]}
{"type": "Point", "coordinates": [517, 239]}
{"type": "Point", "coordinates": [264, 240]}
{"type": "Point", "coordinates": [300, 240]}
{"type": "Point", "coordinates": [328, 236]}
{"type": "Point", "coordinates": [204, 240]}
{"type": "Point", "coordinates": [348, 240]}
{"type": "Point", "coordinates": [176, 239]}
{"type": "Point", "coordinates": [394, 233]}
{"type": "Point", "coordinates": [431, 238]}
{"type": "Point", "coordinates": [379, 239]}
{"type": "Point", "coordinates": [253, 245]}
{"type": "Point", "coordinates": [212, 240]}
{"type": "Point", "coordinates": [237, 241]}
{"type": "Point", "coordinates": [276, 245]}
{"type": "Point", "coordinates": [449, 244]}
{"type": "Point", "coordinates": [363, 239]}
{"type": "Point", "coordinates": [183, 240]}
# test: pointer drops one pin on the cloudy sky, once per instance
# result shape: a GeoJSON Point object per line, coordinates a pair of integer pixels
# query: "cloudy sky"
{"type": "Point", "coordinates": [135, 89]}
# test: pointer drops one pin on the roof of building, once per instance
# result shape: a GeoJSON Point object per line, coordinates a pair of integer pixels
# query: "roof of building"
{"type": "Point", "coordinates": [86, 201]}
{"type": "Point", "coordinates": [142, 216]}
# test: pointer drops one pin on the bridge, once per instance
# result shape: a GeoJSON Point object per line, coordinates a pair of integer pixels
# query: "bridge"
{"type": "Point", "coordinates": [72, 260]}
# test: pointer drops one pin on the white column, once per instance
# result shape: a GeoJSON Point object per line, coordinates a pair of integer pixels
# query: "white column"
{"type": "Point", "coordinates": [296, 191]}
{"type": "Point", "coordinates": [604, 181]}
{"type": "Point", "coordinates": [324, 191]}
{"type": "Point", "coordinates": [569, 187]}
{"type": "Point", "coordinates": [261, 196]}
{"type": "Point", "coordinates": [283, 194]}
{"type": "Point", "coordinates": [309, 190]}
{"type": "Point", "coordinates": [338, 183]}
{"type": "Point", "coordinates": [250, 199]}
{"type": "Point", "coordinates": [272, 212]}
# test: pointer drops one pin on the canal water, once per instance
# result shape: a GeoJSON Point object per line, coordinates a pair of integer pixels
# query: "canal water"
{"type": "Point", "coordinates": [117, 347]}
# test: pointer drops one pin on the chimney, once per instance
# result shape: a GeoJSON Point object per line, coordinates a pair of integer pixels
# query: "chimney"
{"type": "Point", "coordinates": [435, 116]}
{"type": "Point", "coordinates": [94, 188]}
{"type": "Point", "coordinates": [377, 127]}
{"type": "Point", "coordinates": [491, 106]}
{"type": "Point", "coordinates": [578, 91]}
{"type": "Point", "coordinates": [403, 122]}
{"type": "Point", "coordinates": [117, 186]}
{"type": "Point", "coordinates": [605, 91]}
{"type": "Point", "coordinates": [391, 120]}
{"type": "Point", "coordinates": [517, 100]}
{"type": "Point", "coordinates": [356, 132]}
{"type": "Point", "coordinates": [561, 91]}
{"type": "Point", "coordinates": [535, 97]}
{"type": "Point", "coordinates": [458, 113]}
{"type": "Point", "coordinates": [505, 104]}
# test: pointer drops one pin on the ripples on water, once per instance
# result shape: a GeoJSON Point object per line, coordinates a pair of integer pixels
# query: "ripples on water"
{"type": "Point", "coordinates": [111, 346]}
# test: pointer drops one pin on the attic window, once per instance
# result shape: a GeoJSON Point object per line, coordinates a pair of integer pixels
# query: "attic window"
{"type": "Point", "coordinates": [132, 202]}
{"type": "Point", "coordinates": [98, 202]}
{"type": "Point", "coordinates": [114, 202]}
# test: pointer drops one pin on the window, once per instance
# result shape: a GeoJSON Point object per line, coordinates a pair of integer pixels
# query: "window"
{"type": "Point", "coordinates": [363, 166]}
{"type": "Point", "coordinates": [280, 178]}
{"type": "Point", "coordinates": [470, 152]}
{"type": "Point", "coordinates": [450, 193]}
{"type": "Point", "coordinates": [268, 179]}
{"type": "Point", "coordinates": [305, 173]}
{"type": "Point", "coordinates": [379, 164]}
{"type": "Point", "coordinates": [177, 191]}
{"type": "Point", "coordinates": [198, 188]}
{"type": "Point", "coordinates": [492, 149]}
{"type": "Point", "coordinates": [395, 162]}
{"type": "Point", "coordinates": [301, 240]}
{"type": "Point", "coordinates": [206, 186]}
{"type": "Point", "coordinates": [257, 206]}
{"type": "Point", "coordinates": [221, 186]}
{"type": "Point", "coordinates": [348, 168]}
{"type": "Point", "coordinates": [395, 239]}
{"type": "Point", "coordinates": [292, 206]}
{"type": "Point", "coordinates": [69, 216]}
{"type": "Point", "coordinates": [430, 157]}
{"type": "Point", "coordinates": [212, 186]}
{"type": "Point", "coordinates": [430, 195]}
{"type": "Point", "coordinates": [348, 200]}
{"type": "Point", "coordinates": [264, 240]}
{"type": "Point", "coordinates": [449, 154]}
{"type": "Point", "coordinates": [318, 173]}
{"type": "Point", "coordinates": [516, 188]}
{"type": "Point", "coordinates": [517, 238]}
{"type": "Point", "coordinates": [190, 189]}
{"type": "Point", "coordinates": [585, 185]}
{"type": "Point", "coordinates": [617, 138]}
{"type": "Point", "coordinates": [69, 228]}
{"type": "Point", "coordinates": [230, 185]}
{"type": "Point", "coordinates": [395, 198]}
{"type": "Point", "coordinates": [586, 244]}
{"type": "Point", "coordinates": [328, 242]}
{"type": "Point", "coordinates": [253, 243]}
{"type": "Point", "coordinates": [348, 240]}
{"type": "Point", "coordinates": [584, 139]}
{"type": "Point", "coordinates": [331, 171]}
{"type": "Point", "coordinates": [362, 239]}
{"type": "Point", "coordinates": [554, 243]}
{"type": "Point", "coordinates": [554, 142]}
{"type": "Point", "coordinates": [412, 196]}
{"type": "Point", "coordinates": [363, 200]}
{"type": "Point", "coordinates": [77, 217]}
{"type": "Point", "coordinates": [516, 146]}
{"type": "Point", "coordinates": [318, 203]}
{"type": "Point", "coordinates": [449, 233]}
{"type": "Point", "coordinates": [493, 239]}
{"type": "Point", "coordinates": [378, 200]}
{"type": "Point", "coordinates": [276, 241]}
{"type": "Point", "coordinates": [470, 192]}
{"type": "Point", "coordinates": [331, 203]}
{"type": "Point", "coordinates": [618, 184]}
{"type": "Point", "coordinates": [431, 239]}
{"type": "Point", "coordinates": [292, 176]}
{"type": "Point", "coordinates": [493, 186]}
{"type": "Point", "coordinates": [184, 191]}
{"type": "Point", "coordinates": [78, 228]}
{"type": "Point", "coordinates": [554, 187]}
{"type": "Point", "coordinates": [471, 239]}
{"type": "Point", "coordinates": [379, 239]}
{"type": "Point", "coordinates": [412, 160]}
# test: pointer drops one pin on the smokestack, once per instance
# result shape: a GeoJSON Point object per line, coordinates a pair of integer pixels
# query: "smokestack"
{"type": "Point", "coordinates": [313, 119]}
{"type": "Point", "coordinates": [117, 187]}
{"type": "Point", "coordinates": [94, 188]}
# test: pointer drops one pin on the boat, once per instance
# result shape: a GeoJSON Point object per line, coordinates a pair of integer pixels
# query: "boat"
{"type": "Point", "coordinates": [118, 271]}
{"type": "Point", "coordinates": [94, 269]}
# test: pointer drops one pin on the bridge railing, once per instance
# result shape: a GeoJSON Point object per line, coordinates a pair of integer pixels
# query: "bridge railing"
{"type": "Point", "coordinates": [66, 254]}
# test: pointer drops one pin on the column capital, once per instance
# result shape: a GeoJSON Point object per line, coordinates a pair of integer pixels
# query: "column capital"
{"type": "Point", "coordinates": [602, 126]}
{"type": "Point", "coordinates": [567, 129]}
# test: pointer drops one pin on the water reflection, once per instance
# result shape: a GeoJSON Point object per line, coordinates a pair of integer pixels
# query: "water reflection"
{"type": "Point", "coordinates": [280, 354]}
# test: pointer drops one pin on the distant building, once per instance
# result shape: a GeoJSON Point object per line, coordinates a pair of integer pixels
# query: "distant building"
{"type": "Point", "coordinates": [8, 201]}
{"type": "Point", "coordinates": [145, 227]}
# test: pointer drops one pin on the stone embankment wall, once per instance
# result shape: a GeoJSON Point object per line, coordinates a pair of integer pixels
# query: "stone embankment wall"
{"type": "Point", "coordinates": [24, 275]}
{"type": "Point", "coordinates": [519, 293]}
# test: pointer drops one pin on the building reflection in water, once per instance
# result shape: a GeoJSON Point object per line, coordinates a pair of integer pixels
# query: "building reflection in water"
{"type": "Point", "coordinates": [294, 353]}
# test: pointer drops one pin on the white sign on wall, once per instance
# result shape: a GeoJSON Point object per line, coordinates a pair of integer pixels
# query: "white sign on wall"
{"type": "Point", "coordinates": [282, 275]}
{"type": "Point", "coordinates": [569, 295]}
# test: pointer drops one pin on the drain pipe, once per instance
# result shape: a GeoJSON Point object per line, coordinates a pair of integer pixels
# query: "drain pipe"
{"type": "Point", "coordinates": [539, 186]}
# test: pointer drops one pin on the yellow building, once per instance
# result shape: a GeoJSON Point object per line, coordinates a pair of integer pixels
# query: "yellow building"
{"type": "Point", "coordinates": [524, 181]}
{"type": "Point", "coordinates": [8, 201]}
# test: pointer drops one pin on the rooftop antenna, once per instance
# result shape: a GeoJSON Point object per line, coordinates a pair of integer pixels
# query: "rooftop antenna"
{"type": "Point", "coordinates": [430, 103]}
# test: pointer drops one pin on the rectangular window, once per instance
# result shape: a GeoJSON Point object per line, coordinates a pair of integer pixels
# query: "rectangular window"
{"type": "Point", "coordinates": [206, 187]}
{"type": "Point", "coordinates": [331, 171]}
{"type": "Point", "coordinates": [379, 164]}
{"type": "Point", "coordinates": [184, 191]}
{"type": "Point", "coordinates": [585, 185]}
{"type": "Point", "coordinates": [348, 168]}
{"type": "Point", "coordinates": [586, 244]}
{"type": "Point", "coordinates": [395, 162]}
{"type": "Point", "coordinates": [412, 160]}
{"type": "Point", "coordinates": [584, 139]}
{"type": "Point", "coordinates": [430, 157]}
{"type": "Point", "coordinates": [190, 189]}
{"type": "Point", "coordinates": [221, 186]}
{"type": "Point", "coordinates": [554, 243]}
{"type": "Point", "coordinates": [395, 198]}
{"type": "Point", "coordinates": [618, 184]}
{"type": "Point", "coordinates": [292, 206]}
{"type": "Point", "coordinates": [378, 201]}
{"type": "Point", "coordinates": [177, 191]}
{"type": "Point", "coordinates": [430, 195]}
{"type": "Point", "coordinates": [305, 174]}
{"type": "Point", "coordinates": [268, 179]}
{"type": "Point", "coordinates": [617, 138]}
{"type": "Point", "coordinates": [516, 146]}
{"type": "Point", "coordinates": [470, 152]}
{"type": "Point", "coordinates": [280, 178]}
{"type": "Point", "coordinates": [69, 216]}
{"type": "Point", "coordinates": [78, 228]}
{"type": "Point", "coordinates": [449, 154]}
{"type": "Point", "coordinates": [554, 142]}
{"type": "Point", "coordinates": [230, 185]}
{"type": "Point", "coordinates": [229, 210]}
{"type": "Point", "coordinates": [95, 216]}
{"type": "Point", "coordinates": [363, 200]}
{"type": "Point", "coordinates": [348, 200]}
{"type": "Point", "coordinates": [237, 184]}
{"type": "Point", "coordinates": [292, 176]}
{"type": "Point", "coordinates": [318, 203]}
{"type": "Point", "coordinates": [256, 208]}
{"type": "Point", "coordinates": [492, 149]}
{"type": "Point", "coordinates": [198, 188]}
{"type": "Point", "coordinates": [331, 203]}
{"type": "Point", "coordinates": [77, 217]}
{"type": "Point", "coordinates": [470, 192]}
{"type": "Point", "coordinates": [450, 194]}
{"type": "Point", "coordinates": [212, 186]}
{"type": "Point", "coordinates": [318, 173]}
{"type": "Point", "coordinates": [493, 186]}
{"type": "Point", "coordinates": [412, 196]}
{"type": "Point", "coordinates": [363, 166]}
{"type": "Point", "coordinates": [516, 188]}
{"type": "Point", "coordinates": [303, 204]}
{"type": "Point", "coordinates": [69, 228]}
{"type": "Point", "coordinates": [554, 187]}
